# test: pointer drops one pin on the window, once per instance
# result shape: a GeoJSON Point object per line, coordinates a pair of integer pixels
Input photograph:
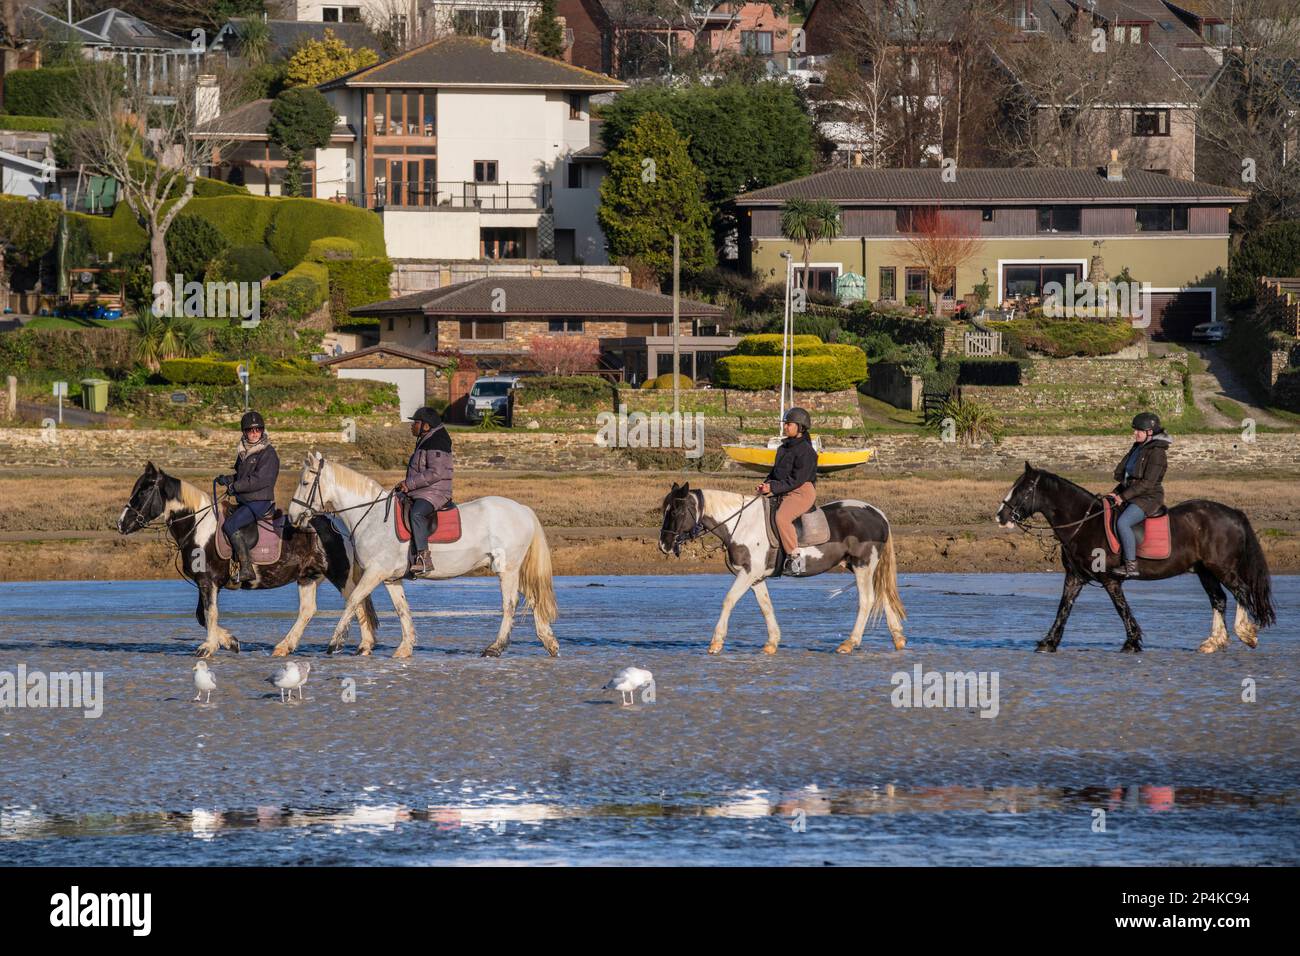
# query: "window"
{"type": "Point", "coordinates": [1162, 218]}
{"type": "Point", "coordinates": [575, 106]}
{"type": "Point", "coordinates": [889, 283]}
{"type": "Point", "coordinates": [905, 218]}
{"type": "Point", "coordinates": [482, 329]}
{"type": "Point", "coordinates": [918, 282]}
{"type": "Point", "coordinates": [1217, 34]}
{"type": "Point", "coordinates": [575, 175]}
{"type": "Point", "coordinates": [564, 325]}
{"type": "Point", "coordinates": [986, 214]}
{"type": "Point", "coordinates": [485, 170]}
{"type": "Point", "coordinates": [1028, 279]}
{"type": "Point", "coordinates": [351, 14]}
{"type": "Point", "coordinates": [329, 14]}
{"type": "Point", "coordinates": [820, 279]}
{"type": "Point", "coordinates": [502, 244]}
{"type": "Point", "coordinates": [1130, 33]}
{"type": "Point", "coordinates": [1058, 218]}
{"type": "Point", "coordinates": [756, 41]}
{"type": "Point", "coordinates": [1150, 122]}
{"type": "Point", "coordinates": [639, 328]}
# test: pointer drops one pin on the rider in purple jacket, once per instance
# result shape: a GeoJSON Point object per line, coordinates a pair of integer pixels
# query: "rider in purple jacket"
{"type": "Point", "coordinates": [427, 482]}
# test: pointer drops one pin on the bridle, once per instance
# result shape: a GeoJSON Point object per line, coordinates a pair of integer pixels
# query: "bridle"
{"type": "Point", "coordinates": [314, 492]}
{"type": "Point", "coordinates": [1042, 533]}
{"type": "Point", "coordinates": [155, 493]}
{"type": "Point", "coordinates": [698, 529]}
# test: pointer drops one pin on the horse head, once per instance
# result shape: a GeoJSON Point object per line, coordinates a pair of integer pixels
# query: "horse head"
{"type": "Point", "coordinates": [1022, 500]}
{"type": "Point", "coordinates": [680, 518]}
{"type": "Point", "coordinates": [307, 497]}
{"type": "Point", "coordinates": [148, 500]}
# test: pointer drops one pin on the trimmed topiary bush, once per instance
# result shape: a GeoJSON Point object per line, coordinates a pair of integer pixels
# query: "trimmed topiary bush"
{"type": "Point", "coordinates": [819, 373]}
{"type": "Point", "coordinates": [332, 247]}
{"type": "Point", "coordinates": [299, 292]}
{"type": "Point", "coordinates": [37, 92]}
{"type": "Point", "coordinates": [770, 344]}
{"type": "Point", "coordinates": [244, 264]}
{"type": "Point", "coordinates": [357, 282]}
{"type": "Point", "coordinates": [666, 381]}
{"type": "Point", "coordinates": [192, 243]}
{"type": "Point", "coordinates": [199, 371]}
{"type": "Point", "coordinates": [298, 221]}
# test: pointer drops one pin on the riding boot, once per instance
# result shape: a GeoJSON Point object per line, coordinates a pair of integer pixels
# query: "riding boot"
{"type": "Point", "coordinates": [795, 564]}
{"type": "Point", "coordinates": [423, 563]}
{"type": "Point", "coordinates": [247, 569]}
{"type": "Point", "coordinates": [1128, 570]}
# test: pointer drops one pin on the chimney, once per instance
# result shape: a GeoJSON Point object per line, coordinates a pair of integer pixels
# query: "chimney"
{"type": "Point", "coordinates": [1114, 169]}
{"type": "Point", "coordinates": [207, 99]}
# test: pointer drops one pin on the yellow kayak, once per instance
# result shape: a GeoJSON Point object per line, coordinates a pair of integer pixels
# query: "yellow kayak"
{"type": "Point", "coordinates": [759, 458]}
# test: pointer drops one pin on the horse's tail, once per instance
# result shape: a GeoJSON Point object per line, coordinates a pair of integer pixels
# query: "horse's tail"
{"type": "Point", "coordinates": [535, 576]}
{"type": "Point", "coordinates": [885, 583]}
{"type": "Point", "coordinates": [1257, 587]}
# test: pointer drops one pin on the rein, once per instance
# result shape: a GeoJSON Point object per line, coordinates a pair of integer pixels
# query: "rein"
{"type": "Point", "coordinates": [314, 492]}
{"type": "Point", "coordinates": [698, 530]}
{"type": "Point", "coordinates": [1040, 533]}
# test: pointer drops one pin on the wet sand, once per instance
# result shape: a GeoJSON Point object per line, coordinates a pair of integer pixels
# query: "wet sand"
{"type": "Point", "coordinates": [452, 758]}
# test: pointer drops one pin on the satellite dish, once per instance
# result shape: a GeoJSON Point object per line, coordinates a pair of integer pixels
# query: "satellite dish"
{"type": "Point", "coordinates": [84, 277]}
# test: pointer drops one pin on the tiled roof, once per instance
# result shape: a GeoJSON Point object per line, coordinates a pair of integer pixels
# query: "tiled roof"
{"type": "Point", "coordinates": [415, 355]}
{"type": "Point", "coordinates": [38, 25]}
{"type": "Point", "coordinates": [285, 36]}
{"type": "Point", "coordinates": [122, 29]}
{"type": "Point", "coordinates": [537, 296]}
{"type": "Point", "coordinates": [471, 61]}
{"type": "Point", "coordinates": [987, 185]}
{"type": "Point", "coordinates": [250, 121]}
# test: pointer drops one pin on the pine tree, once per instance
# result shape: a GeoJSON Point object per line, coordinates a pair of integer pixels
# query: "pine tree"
{"type": "Point", "coordinates": [548, 39]}
{"type": "Point", "coordinates": [653, 190]}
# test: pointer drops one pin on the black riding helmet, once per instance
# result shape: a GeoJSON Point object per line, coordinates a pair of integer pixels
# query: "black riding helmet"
{"type": "Point", "coordinates": [251, 420]}
{"type": "Point", "coordinates": [1146, 422]}
{"type": "Point", "coordinates": [799, 417]}
{"type": "Point", "coordinates": [428, 416]}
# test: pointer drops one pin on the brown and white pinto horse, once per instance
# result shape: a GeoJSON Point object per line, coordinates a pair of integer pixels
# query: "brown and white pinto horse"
{"type": "Point", "coordinates": [306, 556]}
{"type": "Point", "coordinates": [1211, 539]}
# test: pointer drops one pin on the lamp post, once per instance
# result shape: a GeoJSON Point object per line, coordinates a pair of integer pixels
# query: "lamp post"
{"type": "Point", "coordinates": [677, 331]}
{"type": "Point", "coordinates": [787, 320]}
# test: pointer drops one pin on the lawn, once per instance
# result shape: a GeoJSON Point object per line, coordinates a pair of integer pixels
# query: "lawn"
{"type": "Point", "coordinates": [60, 322]}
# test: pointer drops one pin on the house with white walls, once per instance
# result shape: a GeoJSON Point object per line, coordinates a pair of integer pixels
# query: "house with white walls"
{"type": "Point", "coordinates": [475, 150]}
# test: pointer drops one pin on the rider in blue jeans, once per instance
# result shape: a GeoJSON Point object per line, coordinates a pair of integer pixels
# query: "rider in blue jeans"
{"type": "Point", "coordinates": [1140, 492]}
{"type": "Point", "coordinates": [257, 467]}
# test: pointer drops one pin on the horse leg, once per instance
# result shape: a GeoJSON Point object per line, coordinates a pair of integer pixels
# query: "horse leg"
{"type": "Point", "coordinates": [744, 581]}
{"type": "Point", "coordinates": [1218, 638]}
{"type": "Point", "coordinates": [1069, 594]}
{"type": "Point", "coordinates": [1133, 641]}
{"type": "Point", "coordinates": [1243, 626]}
{"type": "Point", "coordinates": [218, 636]}
{"type": "Point", "coordinates": [367, 619]}
{"type": "Point", "coordinates": [398, 596]}
{"type": "Point", "coordinates": [765, 605]}
{"type": "Point", "coordinates": [306, 611]}
{"type": "Point", "coordinates": [509, 601]}
{"type": "Point", "coordinates": [369, 581]}
{"type": "Point", "coordinates": [866, 598]}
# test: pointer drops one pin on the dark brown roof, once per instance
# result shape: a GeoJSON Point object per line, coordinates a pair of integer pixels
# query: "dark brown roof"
{"type": "Point", "coordinates": [470, 61]}
{"type": "Point", "coordinates": [416, 355]}
{"type": "Point", "coordinates": [541, 296]}
{"type": "Point", "coordinates": [249, 122]}
{"type": "Point", "coordinates": [1007, 185]}
{"type": "Point", "coordinates": [285, 36]}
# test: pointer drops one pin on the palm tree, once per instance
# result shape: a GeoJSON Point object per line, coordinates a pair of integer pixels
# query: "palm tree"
{"type": "Point", "coordinates": [808, 221]}
{"type": "Point", "coordinates": [164, 337]}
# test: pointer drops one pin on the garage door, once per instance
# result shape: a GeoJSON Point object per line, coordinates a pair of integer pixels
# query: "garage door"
{"type": "Point", "coordinates": [409, 382]}
{"type": "Point", "coordinates": [1175, 314]}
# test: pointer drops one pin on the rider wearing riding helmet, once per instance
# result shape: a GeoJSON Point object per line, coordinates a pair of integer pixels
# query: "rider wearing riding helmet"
{"type": "Point", "coordinates": [792, 480]}
{"type": "Point", "coordinates": [1140, 491]}
{"type": "Point", "coordinates": [427, 482]}
{"type": "Point", "coordinates": [257, 467]}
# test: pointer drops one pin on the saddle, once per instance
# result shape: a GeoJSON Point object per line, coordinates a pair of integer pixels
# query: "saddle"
{"type": "Point", "coordinates": [811, 527]}
{"type": "Point", "coordinates": [446, 523]}
{"type": "Point", "coordinates": [270, 536]}
{"type": "Point", "coordinates": [1153, 537]}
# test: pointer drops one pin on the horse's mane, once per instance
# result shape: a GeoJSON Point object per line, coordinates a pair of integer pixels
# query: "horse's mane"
{"type": "Point", "coordinates": [192, 498]}
{"type": "Point", "coordinates": [354, 481]}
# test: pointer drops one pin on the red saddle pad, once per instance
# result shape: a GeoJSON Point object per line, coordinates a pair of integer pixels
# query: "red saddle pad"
{"type": "Point", "coordinates": [1156, 543]}
{"type": "Point", "coordinates": [448, 529]}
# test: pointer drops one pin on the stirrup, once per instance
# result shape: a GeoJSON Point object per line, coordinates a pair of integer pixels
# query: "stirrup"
{"type": "Point", "coordinates": [795, 564]}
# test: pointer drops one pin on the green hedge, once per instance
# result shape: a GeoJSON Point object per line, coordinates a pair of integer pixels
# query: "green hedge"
{"type": "Point", "coordinates": [298, 221]}
{"type": "Point", "coordinates": [1286, 390]}
{"type": "Point", "coordinates": [357, 282]}
{"type": "Point", "coordinates": [572, 390]}
{"type": "Point", "coordinates": [665, 382]}
{"type": "Point", "coordinates": [820, 373]}
{"type": "Point", "coordinates": [199, 371]}
{"type": "Point", "coordinates": [902, 329]}
{"type": "Point", "coordinates": [33, 124]}
{"type": "Point", "coordinates": [990, 371]}
{"type": "Point", "coordinates": [332, 247]}
{"type": "Point", "coordinates": [244, 264]}
{"type": "Point", "coordinates": [1064, 338]}
{"type": "Point", "coordinates": [299, 292]}
{"type": "Point", "coordinates": [769, 344]}
{"type": "Point", "coordinates": [35, 92]}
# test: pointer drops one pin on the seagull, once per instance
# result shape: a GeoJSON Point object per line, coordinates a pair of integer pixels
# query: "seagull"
{"type": "Point", "coordinates": [204, 681]}
{"type": "Point", "coordinates": [290, 675]}
{"type": "Point", "coordinates": [629, 680]}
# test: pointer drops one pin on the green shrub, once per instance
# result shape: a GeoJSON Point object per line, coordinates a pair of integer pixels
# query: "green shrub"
{"type": "Point", "coordinates": [989, 371]}
{"type": "Point", "coordinates": [973, 422]}
{"type": "Point", "coordinates": [66, 350]}
{"type": "Point", "coordinates": [666, 381]}
{"type": "Point", "coordinates": [357, 282]}
{"type": "Point", "coordinates": [243, 219]}
{"type": "Point", "coordinates": [1063, 338]}
{"type": "Point", "coordinates": [1271, 251]}
{"type": "Point", "coordinates": [850, 361]}
{"type": "Point", "coordinates": [901, 328]}
{"type": "Point", "coordinates": [299, 292]}
{"type": "Point", "coordinates": [822, 373]}
{"type": "Point", "coordinates": [298, 221]}
{"type": "Point", "coordinates": [1286, 390]}
{"type": "Point", "coordinates": [38, 92]}
{"type": "Point", "coordinates": [572, 390]}
{"type": "Point", "coordinates": [33, 124]}
{"type": "Point", "coordinates": [332, 247]}
{"type": "Point", "coordinates": [770, 344]}
{"type": "Point", "coordinates": [27, 226]}
{"type": "Point", "coordinates": [199, 371]}
{"type": "Point", "coordinates": [118, 234]}
{"type": "Point", "coordinates": [244, 264]}
{"type": "Point", "coordinates": [192, 243]}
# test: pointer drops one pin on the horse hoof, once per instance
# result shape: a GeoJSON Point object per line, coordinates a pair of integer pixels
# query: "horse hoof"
{"type": "Point", "coordinates": [1132, 648]}
{"type": "Point", "coordinates": [205, 652]}
{"type": "Point", "coordinates": [715, 649]}
{"type": "Point", "coordinates": [769, 649]}
{"type": "Point", "coordinates": [1209, 646]}
{"type": "Point", "coordinates": [364, 652]}
{"type": "Point", "coordinates": [1250, 640]}
{"type": "Point", "coordinates": [401, 653]}
{"type": "Point", "coordinates": [490, 652]}
{"type": "Point", "coordinates": [1045, 647]}
{"type": "Point", "coordinates": [280, 651]}
{"type": "Point", "coordinates": [900, 643]}
{"type": "Point", "coordinates": [845, 648]}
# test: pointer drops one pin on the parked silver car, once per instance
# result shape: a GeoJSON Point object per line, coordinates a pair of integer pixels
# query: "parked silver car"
{"type": "Point", "coordinates": [1210, 332]}
{"type": "Point", "coordinates": [491, 393]}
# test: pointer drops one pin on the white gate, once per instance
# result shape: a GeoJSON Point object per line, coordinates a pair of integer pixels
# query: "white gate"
{"type": "Point", "coordinates": [983, 343]}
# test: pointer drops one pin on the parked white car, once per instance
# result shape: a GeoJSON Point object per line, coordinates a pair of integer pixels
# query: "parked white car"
{"type": "Point", "coordinates": [1210, 332]}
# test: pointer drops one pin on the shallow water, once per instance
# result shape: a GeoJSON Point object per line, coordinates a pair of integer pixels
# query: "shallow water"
{"type": "Point", "coordinates": [740, 759]}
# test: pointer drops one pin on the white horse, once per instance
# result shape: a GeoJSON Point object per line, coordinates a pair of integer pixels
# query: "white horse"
{"type": "Point", "coordinates": [860, 538]}
{"type": "Point", "coordinates": [496, 533]}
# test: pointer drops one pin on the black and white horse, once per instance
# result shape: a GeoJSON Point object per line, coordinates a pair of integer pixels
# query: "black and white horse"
{"type": "Point", "coordinates": [859, 537]}
{"type": "Point", "coordinates": [306, 556]}
{"type": "Point", "coordinates": [1211, 539]}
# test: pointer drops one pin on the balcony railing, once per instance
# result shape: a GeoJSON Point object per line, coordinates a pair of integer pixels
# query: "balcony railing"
{"type": "Point", "coordinates": [500, 197]}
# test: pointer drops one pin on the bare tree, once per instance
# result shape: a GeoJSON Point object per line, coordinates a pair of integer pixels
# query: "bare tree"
{"type": "Point", "coordinates": [153, 147]}
{"type": "Point", "coordinates": [942, 245]}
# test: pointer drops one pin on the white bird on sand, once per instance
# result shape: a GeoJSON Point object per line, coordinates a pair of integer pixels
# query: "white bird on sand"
{"type": "Point", "coordinates": [290, 675]}
{"type": "Point", "coordinates": [629, 680]}
{"type": "Point", "coordinates": [204, 681]}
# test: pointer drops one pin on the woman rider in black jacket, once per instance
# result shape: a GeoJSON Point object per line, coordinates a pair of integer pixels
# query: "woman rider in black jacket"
{"type": "Point", "coordinates": [793, 479]}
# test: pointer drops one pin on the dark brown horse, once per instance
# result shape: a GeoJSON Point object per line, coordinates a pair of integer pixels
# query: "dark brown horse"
{"type": "Point", "coordinates": [1212, 540]}
{"type": "Point", "coordinates": [306, 556]}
